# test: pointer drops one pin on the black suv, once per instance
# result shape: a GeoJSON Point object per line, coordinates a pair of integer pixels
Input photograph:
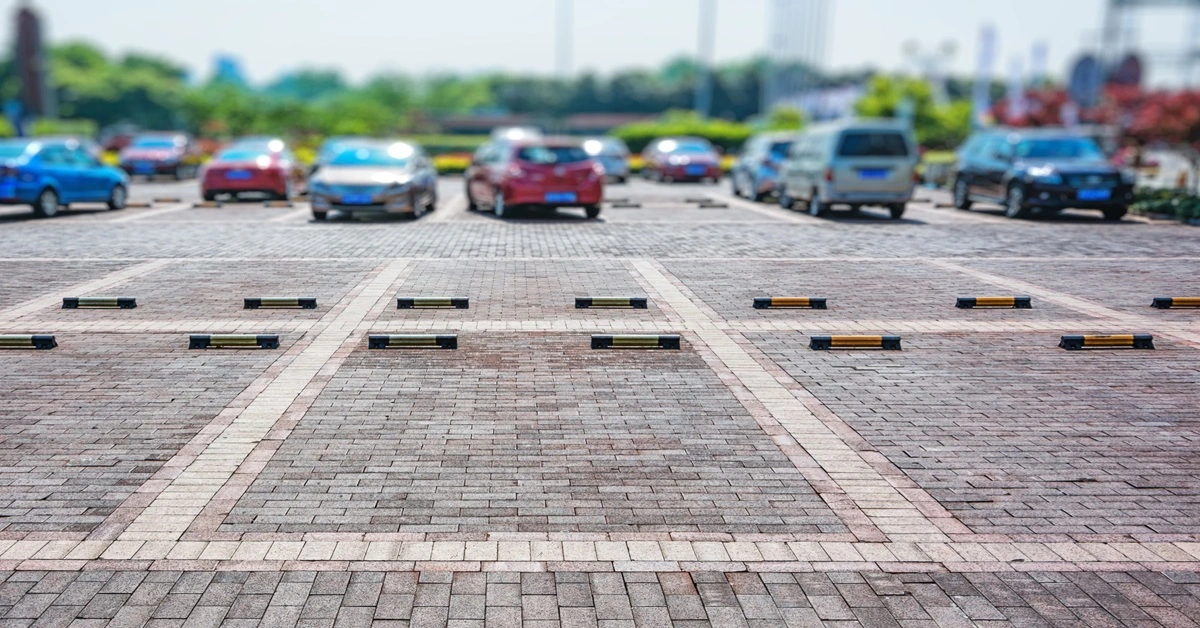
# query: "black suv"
{"type": "Point", "coordinates": [1039, 171]}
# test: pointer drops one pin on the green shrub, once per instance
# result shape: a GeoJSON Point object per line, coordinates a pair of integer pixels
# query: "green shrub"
{"type": "Point", "coordinates": [726, 136]}
{"type": "Point", "coordinates": [1181, 204]}
{"type": "Point", "coordinates": [81, 128]}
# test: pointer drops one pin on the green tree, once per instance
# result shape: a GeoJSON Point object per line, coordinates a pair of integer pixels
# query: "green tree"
{"type": "Point", "coordinates": [936, 126]}
{"type": "Point", "coordinates": [308, 85]}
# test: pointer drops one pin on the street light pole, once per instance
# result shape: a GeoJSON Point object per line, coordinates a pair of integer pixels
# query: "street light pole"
{"type": "Point", "coordinates": [565, 37]}
{"type": "Point", "coordinates": [708, 27]}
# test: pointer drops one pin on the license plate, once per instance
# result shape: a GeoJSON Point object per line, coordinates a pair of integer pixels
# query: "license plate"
{"type": "Point", "coordinates": [560, 197]}
{"type": "Point", "coordinates": [356, 199]}
{"type": "Point", "coordinates": [238, 175]}
{"type": "Point", "coordinates": [1095, 195]}
{"type": "Point", "coordinates": [694, 171]}
{"type": "Point", "coordinates": [873, 174]}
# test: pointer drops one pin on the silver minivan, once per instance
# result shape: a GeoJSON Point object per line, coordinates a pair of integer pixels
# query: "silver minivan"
{"type": "Point", "coordinates": [852, 162]}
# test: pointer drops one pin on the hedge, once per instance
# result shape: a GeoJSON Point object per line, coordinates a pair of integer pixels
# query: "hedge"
{"type": "Point", "coordinates": [1181, 204]}
{"type": "Point", "coordinates": [727, 136]}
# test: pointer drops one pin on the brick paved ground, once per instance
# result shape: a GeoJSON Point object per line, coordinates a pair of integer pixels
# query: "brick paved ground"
{"type": "Point", "coordinates": [980, 477]}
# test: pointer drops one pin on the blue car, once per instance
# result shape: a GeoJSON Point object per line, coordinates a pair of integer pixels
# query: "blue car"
{"type": "Point", "coordinates": [49, 174]}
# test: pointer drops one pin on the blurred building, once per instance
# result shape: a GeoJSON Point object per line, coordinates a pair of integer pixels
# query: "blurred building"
{"type": "Point", "coordinates": [797, 52]}
{"type": "Point", "coordinates": [36, 97]}
{"type": "Point", "coordinates": [228, 69]}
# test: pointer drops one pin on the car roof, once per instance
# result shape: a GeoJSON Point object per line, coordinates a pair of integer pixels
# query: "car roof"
{"type": "Point", "coordinates": [557, 141]}
{"type": "Point", "coordinates": [844, 124]}
{"type": "Point", "coordinates": [777, 136]}
{"type": "Point", "coordinates": [1055, 131]}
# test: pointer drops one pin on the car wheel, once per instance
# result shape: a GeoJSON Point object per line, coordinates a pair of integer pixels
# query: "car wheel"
{"type": "Point", "coordinates": [593, 211]}
{"type": "Point", "coordinates": [897, 210]}
{"type": "Point", "coordinates": [499, 208]}
{"type": "Point", "coordinates": [735, 186]}
{"type": "Point", "coordinates": [46, 204]}
{"type": "Point", "coordinates": [755, 194]}
{"type": "Point", "coordinates": [961, 199]}
{"type": "Point", "coordinates": [1014, 203]}
{"type": "Point", "coordinates": [471, 204]}
{"type": "Point", "coordinates": [319, 216]}
{"type": "Point", "coordinates": [432, 204]}
{"type": "Point", "coordinates": [209, 196]}
{"type": "Point", "coordinates": [117, 197]}
{"type": "Point", "coordinates": [785, 200]}
{"type": "Point", "coordinates": [1113, 215]}
{"type": "Point", "coordinates": [622, 179]}
{"type": "Point", "coordinates": [816, 206]}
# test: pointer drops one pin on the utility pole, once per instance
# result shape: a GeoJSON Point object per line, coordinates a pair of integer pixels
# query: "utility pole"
{"type": "Point", "coordinates": [708, 28]}
{"type": "Point", "coordinates": [565, 37]}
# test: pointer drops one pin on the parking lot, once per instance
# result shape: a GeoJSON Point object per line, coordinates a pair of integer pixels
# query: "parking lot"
{"type": "Point", "coordinates": [980, 476]}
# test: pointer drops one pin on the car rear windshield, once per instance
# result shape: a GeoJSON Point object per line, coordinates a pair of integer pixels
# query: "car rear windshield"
{"type": "Point", "coordinates": [1059, 148]}
{"type": "Point", "coordinates": [154, 142]}
{"type": "Point", "coordinates": [394, 156]}
{"type": "Point", "coordinates": [873, 144]}
{"type": "Point", "coordinates": [550, 155]}
{"type": "Point", "coordinates": [241, 154]}
{"type": "Point", "coordinates": [689, 147]}
{"type": "Point", "coordinates": [779, 150]}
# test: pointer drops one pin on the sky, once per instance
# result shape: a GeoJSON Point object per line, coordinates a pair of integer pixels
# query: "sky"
{"type": "Point", "coordinates": [363, 37]}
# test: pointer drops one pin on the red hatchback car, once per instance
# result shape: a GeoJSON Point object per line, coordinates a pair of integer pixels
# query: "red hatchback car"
{"type": "Point", "coordinates": [548, 173]}
{"type": "Point", "coordinates": [681, 159]}
{"type": "Point", "coordinates": [259, 168]}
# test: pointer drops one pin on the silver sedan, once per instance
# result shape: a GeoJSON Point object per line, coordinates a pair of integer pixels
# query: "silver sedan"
{"type": "Point", "coordinates": [374, 176]}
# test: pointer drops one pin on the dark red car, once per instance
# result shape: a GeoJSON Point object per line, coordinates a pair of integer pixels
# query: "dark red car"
{"type": "Point", "coordinates": [252, 167]}
{"type": "Point", "coordinates": [670, 159]}
{"type": "Point", "coordinates": [153, 154]}
{"type": "Point", "coordinates": [549, 173]}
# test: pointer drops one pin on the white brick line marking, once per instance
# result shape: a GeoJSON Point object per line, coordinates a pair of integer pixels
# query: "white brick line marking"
{"type": "Point", "coordinates": [775, 212]}
{"type": "Point", "coordinates": [168, 516]}
{"type": "Point", "coordinates": [170, 209]}
{"type": "Point", "coordinates": [106, 282]}
{"type": "Point", "coordinates": [886, 507]}
{"type": "Point", "coordinates": [304, 210]}
{"type": "Point", "coordinates": [605, 555]}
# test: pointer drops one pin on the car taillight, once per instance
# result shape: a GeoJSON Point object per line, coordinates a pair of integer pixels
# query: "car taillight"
{"type": "Point", "coordinates": [917, 177]}
{"type": "Point", "coordinates": [829, 175]}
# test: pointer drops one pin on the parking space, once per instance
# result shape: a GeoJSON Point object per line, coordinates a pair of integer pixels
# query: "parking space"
{"type": "Point", "coordinates": [532, 290]}
{"type": "Point", "coordinates": [1125, 286]}
{"type": "Point", "coordinates": [216, 290]}
{"type": "Point", "coordinates": [1016, 436]}
{"type": "Point", "coordinates": [863, 290]}
{"type": "Point", "coordinates": [20, 276]}
{"type": "Point", "coordinates": [529, 433]}
{"type": "Point", "coordinates": [87, 424]}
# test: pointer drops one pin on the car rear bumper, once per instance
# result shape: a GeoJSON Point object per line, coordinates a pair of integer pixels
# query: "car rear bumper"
{"type": "Point", "coordinates": [147, 168]}
{"type": "Point", "coordinates": [1063, 197]}
{"type": "Point", "coordinates": [866, 198]}
{"type": "Point", "coordinates": [682, 173]}
{"type": "Point", "coordinates": [590, 194]}
{"type": "Point", "coordinates": [397, 205]}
